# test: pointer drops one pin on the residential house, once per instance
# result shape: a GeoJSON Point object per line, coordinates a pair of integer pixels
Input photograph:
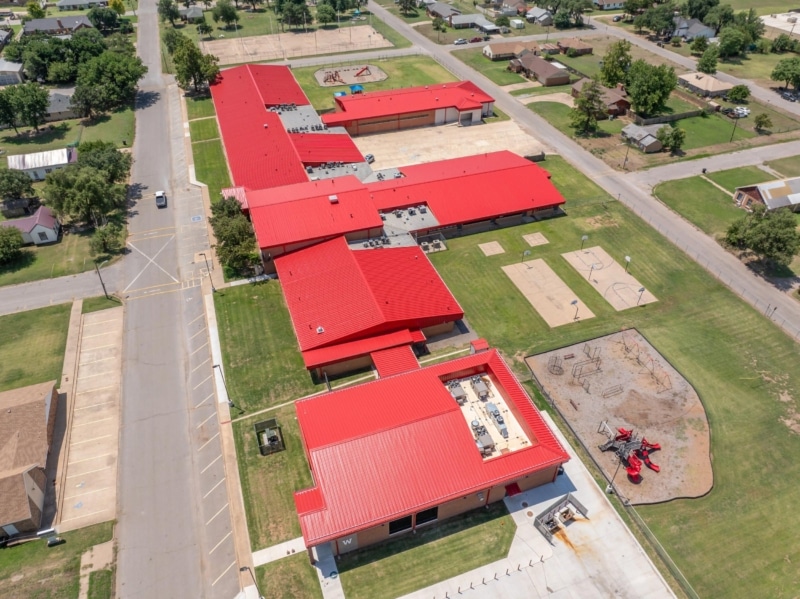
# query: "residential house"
{"type": "Point", "coordinates": [27, 421]}
{"type": "Point", "coordinates": [193, 14]}
{"type": "Point", "coordinates": [549, 48]}
{"type": "Point", "coordinates": [520, 7]}
{"type": "Point", "coordinates": [535, 67]}
{"type": "Point", "coordinates": [473, 22]}
{"type": "Point", "coordinates": [615, 100]}
{"type": "Point", "coordinates": [80, 4]}
{"type": "Point", "coordinates": [10, 72]}
{"type": "Point", "coordinates": [689, 29]}
{"type": "Point", "coordinates": [60, 108]}
{"type": "Point", "coordinates": [442, 10]}
{"type": "Point", "coordinates": [574, 46]}
{"type": "Point", "coordinates": [6, 35]}
{"type": "Point", "coordinates": [608, 4]}
{"type": "Point", "coordinates": [783, 193]}
{"type": "Point", "coordinates": [645, 138]}
{"type": "Point", "coordinates": [508, 50]}
{"type": "Point", "coordinates": [425, 4]}
{"type": "Point", "coordinates": [539, 16]}
{"type": "Point", "coordinates": [39, 228]}
{"type": "Point", "coordinates": [38, 164]}
{"type": "Point", "coordinates": [56, 25]}
{"type": "Point", "coordinates": [704, 84]}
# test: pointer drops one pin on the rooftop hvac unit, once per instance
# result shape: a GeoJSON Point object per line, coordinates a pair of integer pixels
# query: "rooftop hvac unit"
{"type": "Point", "coordinates": [458, 393]}
{"type": "Point", "coordinates": [497, 417]}
{"type": "Point", "coordinates": [480, 388]}
{"type": "Point", "coordinates": [333, 199]}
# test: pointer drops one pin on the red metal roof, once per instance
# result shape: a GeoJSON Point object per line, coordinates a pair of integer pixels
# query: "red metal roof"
{"type": "Point", "coordinates": [463, 190]}
{"type": "Point", "coordinates": [276, 85]}
{"type": "Point", "coordinates": [304, 191]}
{"type": "Point", "coordinates": [322, 356]}
{"type": "Point", "coordinates": [394, 361]}
{"type": "Point", "coordinates": [478, 345]}
{"type": "Point", "coordinates": [391, 447]}
{"type": "Point", "coordinates": [259, 150]}
{"type": "Point", "coordinates": [335, 294]}
{"type": "Point", "coordinates": [238, 193]}
{"type": "Point", "coordinates": [463, 95]}
{"type": "Point", "coordinates": [312, 218]}
{"type": "Point", "coordinates": [316, 148]}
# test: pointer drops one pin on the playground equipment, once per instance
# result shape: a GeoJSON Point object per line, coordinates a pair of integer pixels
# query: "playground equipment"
{"type": "Point", "coordinates": [364, 72]}
{"type": "Point", "coordinates": [632, 450]}
{"type": "Point", "coordinates": [333, 77]}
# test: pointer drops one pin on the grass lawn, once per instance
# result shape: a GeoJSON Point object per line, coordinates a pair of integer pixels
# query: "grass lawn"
{"type": "Point", "coordinates": [746, 371]}
{"type": "Point", "coordinates": [95, 304]}
{"type": "Point", "coordinates": [406, 71]}
{"type": "Point", "coordinates": [710, 130]}
{"type": "Point", "coordinates": [701, 203]}
{"type": "Point", "coordinates": [736, 177]}
{"type": "Point", "coordinates": [497, 71]}
{"type": "Point", "coordinates": [32, 348]}
{"type": "Point", "coordinates": [35, 571]}
{"type": "Point", "coordinates": [210, 166]}
{"type": "Point", "coordinates": [269, 482]}
{"type": "Point", "coordinates": [289, 578]}
{"type": "Point", "coordinates": [541, 90]}
{"type": "Point", "coordinates": [101, 584]}
{"type": "Point", "coordinates": [118, 127]}
{"type": "Point", "coordinates": [405, 564]}
{"type": "Point", "coordinates": [788, 167]}
{"type": "Point", "coordinates": [199, 108]}
{"type": "Point", "coordinates": [204, 129]}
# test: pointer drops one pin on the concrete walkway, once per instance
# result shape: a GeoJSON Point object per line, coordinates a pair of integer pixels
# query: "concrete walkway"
{"type": "Point", "coordinates": [327, 572]}
{"type": "Point", "coordinates": [99, 557]}
{"type": "Point", "coordinates": [279, 551]}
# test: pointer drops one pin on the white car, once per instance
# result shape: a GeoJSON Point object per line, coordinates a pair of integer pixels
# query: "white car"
{"type": "Point", "coordinates": [161, 199]}
{"type": "Point", "coordinates": [741, 111]}
{"type": "Point", "coordinates": [460, 41]}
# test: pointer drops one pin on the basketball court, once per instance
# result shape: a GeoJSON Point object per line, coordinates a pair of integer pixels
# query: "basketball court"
{"type": "Point", "coordinates": [491, 248]}
{"type": "Point", "coordinates": [555, 302]}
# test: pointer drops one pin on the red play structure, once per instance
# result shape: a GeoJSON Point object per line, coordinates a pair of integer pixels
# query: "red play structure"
{"type": "Point", "coordinates": [632, 451]}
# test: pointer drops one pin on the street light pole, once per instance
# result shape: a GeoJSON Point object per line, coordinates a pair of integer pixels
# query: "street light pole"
{"type": "Point", "coordinates": [575, 303]}
{"type": "Point", "coordinates": [627, 263]}
{"type": "Point", "coordinates": [208, 268]}
{"type": "Point", "coordinates": [97, 268]}
{"type": "Point", "coordinates": [225, 385]}
{"type": "Point", "coordinates": [735, 122]}
{"type": "Point", "coordinates": [242, 569]}
{"type": "Point", "coordinates": [583, 240]}
{"type": "Point", "coordinates": [591, 269]}
{"type": "Point", "coordinates": [641, 293]}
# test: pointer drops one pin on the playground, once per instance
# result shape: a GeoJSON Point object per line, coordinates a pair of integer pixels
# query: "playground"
{"type": "Point", "coordinates": [620, 381]}
{"type": "Point", "coordinates": [612, 281]}
{"type": "Point", "coordinates": [349, 75]}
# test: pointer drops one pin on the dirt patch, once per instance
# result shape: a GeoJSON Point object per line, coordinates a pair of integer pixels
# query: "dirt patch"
{"type": "Point", "coordinates": [622, 380]}
{"type": "Point", "coordinates": [523, 85]}
{"type": "Point", "coordinates": [559, 97]}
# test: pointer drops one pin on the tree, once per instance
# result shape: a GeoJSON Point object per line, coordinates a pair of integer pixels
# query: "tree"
{"type": "Point", "coordinates": [732, 42]}
{"type": "Point", "coordinates": [660, 19]}
{"type": "Point", "coordinates": [235, 239]}
{"type": "Point", "coordinates": [8, 112]}
{"type": "Point", "coordinates": [60, 72]}
{"type": "Point", "coordinates": [85, 44]}
{"type": "Point", "coordinates": [253, 4]}
{"type": "Point", "coordinates": [104, 19]}
{"type": "Point", "coordinates": [83, 194]}
{"type": "Point", "coordinates": [14, 184]}
{"type": "Point", "coordinates": [698, 9]}
{"type": "Point", "coordinates": [30, 101]}
{"type": "Point", "coordinates": [631, 8]}
{"type": "Point", "coordinates": [439, 24]}
{"type": "Point", "coordinates": [118, 6]}
{"type": "Point", "coordinates": [788, 71]}
{"type": "Point", "coordinates": [168, 11]}
{"type": "Point", "coordinates": [204, 29]}
{"type": "Point", "coordinates": [561, 19]}
{"type": "Point", "coordinates": [772, 235]}
{"type": "Point", "coordinates": [406, 6]}
{"type": "Point", "coordinates": [106, 158]}
{"type": "Point", "coordinates": [588, 108]}
{"type": "Point", "coordinates": [750, 25]}
{"type": "Point", "coordinates": [699, 45]}
{"type": "Point", "coordinates": [762, 122]}
{"type": "Point", "coordinates": [106, 82]}
{"type": "Point", "coordinates": [296, 15]}
{"type": "Point", "coordinates": [708, 61]}
{"type": "Point", "coordinates": [325, 14]}
{"type": "Point", "coordinates": [649, 86]}
{"type": "Point", "coordinates": [616, 63]}
{"type": "Point", "coordinates": [718, 17]}
{"type": "Point", "coordinates": [10, 244]}
{"type": "Point", "coordinates": [106, 240]}
{"type": "Point", "coordinates": [739, 93]}
{"type": "Point", "coordinates": [672, 138]}
{"type": "Point", "coordinates": [120, 44]}
{"type": "Point", "coordinates": [173, 38]}
{"type": "Point", "coordinates": [224, 11]}
{"type": "Point", "coordinates": [35, 11]}
{"type": "Point", "coordinates": [780, 44]}
{"type": "Point", "coordinates": [502, 21]}
{"type": "Point", "coordinates": [194, 68]}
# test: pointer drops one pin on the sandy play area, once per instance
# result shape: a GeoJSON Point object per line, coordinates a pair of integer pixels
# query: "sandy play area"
{"type": "Point", "coordinates": [491, 248]}
{"type": "Point", "coordinates": [618, 288]}
{"type": "Point", "coordinates": [235, 50]}
{"type": "Point", "coordinates": [621, 379]}
{"type": "Point", "coordinates": [349, 75]}
{"type": "Point", "coordinates": [547, 293]}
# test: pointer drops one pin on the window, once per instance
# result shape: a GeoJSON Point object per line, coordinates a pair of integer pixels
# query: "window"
{"type": "Point", "coordinates": [48, 170]}
{"type": "Point", "coordinates": [399, 525]}
{"type": "Point", "coordinates": [42, 236]}
{"type": "Point", "coordinates": [426, 516]}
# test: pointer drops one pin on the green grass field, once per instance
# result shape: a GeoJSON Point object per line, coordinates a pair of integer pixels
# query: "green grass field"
{"type": "Point", "coordinates": [33, 570]}
{"type": "Point", "coordinates": [95, 304]}
{"type": "Point", "coordinates": [746, 371]}
{"type": "Point", "coordinates": [497, 71]}
{"type": "Point", "coordinates": [700, 203]}
{"type": "Point", "coordinates": [204, 129]}
{"type": "Point", "coordinates": [198, 108]}
{"type": "Point", "coordinates": [736, 177]}
{"type": "Point", "coordinates": [32, 348]}
{"type": "Point", "coordinates": [788, 167]}
{"type": "Point", "coordinates": [405, 564]}
{"type": "Point", "coordinates": [101, 584]}
{"type": "Point", "coordinates": [67, 257]}
{"type": "Point", "coordinates": [210, 166]}
{"type": "Point", "coordinates": [704, 131]}
{"type": "Point", "coordinates": [406, 71]}
{"type": "Point", "coordinates": [289, 578]}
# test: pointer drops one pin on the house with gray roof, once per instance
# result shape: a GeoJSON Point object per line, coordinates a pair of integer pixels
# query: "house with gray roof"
{"type": "Point", "coordinates": [689, 29]}
{"type": "Point", "coordinates": [10, 72]}
{"type": "Point", "coordinates": [645, 138]}
{"type": "Point", "coordinates": [56, 25]}
{"type": "Point", "coordinates": [782, 193]}
{"type": "Point", "coordinates": [442, 10]}
{"type": "Point", "coordinates": [80, 4]}
{"type": "Point", "coordinates": [473, 22]}
{"type": "Point", "coordinates": [540, 16]}
{"type": "Point", "coordinates": [192, 14]}
{"type": "Point", "coordinates": [60, 107]}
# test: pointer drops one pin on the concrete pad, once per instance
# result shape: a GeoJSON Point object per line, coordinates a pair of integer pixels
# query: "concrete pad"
{"type": "Point", "coordinates": [492, 248]}
{"type": "Point", "coordinates": [99, 557]}
{"type": "Point", "coordinates": [89, 489]}
{"type": "Point", "coordinates": [535, 239]}
{"type": "Point", "coordinates": [547, 293]}
{"type": "Point", "coordinates": [618, 288]}
{"type": "Point", "coordinates": [279, 551]}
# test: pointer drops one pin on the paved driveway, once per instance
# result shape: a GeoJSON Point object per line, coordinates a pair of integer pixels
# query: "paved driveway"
{"type": "Point", "coordinates": [90, 491]}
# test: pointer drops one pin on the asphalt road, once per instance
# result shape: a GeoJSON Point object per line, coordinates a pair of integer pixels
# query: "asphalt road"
{"type": "Point", "coordinates": [173, 529]}
{"type": "Point", "coordinates": [681, 233]}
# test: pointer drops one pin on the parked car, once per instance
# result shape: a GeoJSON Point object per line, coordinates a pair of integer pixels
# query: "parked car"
{"type": "Point", "coordinates": [789, 96]}
{"type": "Point", "coordinates": [617, 18]}
{"type": "Point", "coordinates": [741, 111]}
{"type": "Point", "coordinates": [161, 199]}
{"type": "Point", "coordinates": [476, 39]}
{"type": "Point", "coordinates": [460, 41]}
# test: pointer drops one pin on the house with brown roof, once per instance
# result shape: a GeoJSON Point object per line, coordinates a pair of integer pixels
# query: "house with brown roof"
{"type": "Point", "coordinates": [574, 46]}
{"type": "Point", "coordinates": [534, 67]}
{"type": "Point", "coordinates": [615, 100]}
{"type": "Point", "coordinates": [508, 50]}
{"type": "Point", "coordinates": [704, 84]}
{"type": "Point", "coordinates": [27, 421]}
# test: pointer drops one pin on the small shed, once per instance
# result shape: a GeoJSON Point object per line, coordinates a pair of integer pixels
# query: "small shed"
{"type": "Point", "coordinates": [517, 24]}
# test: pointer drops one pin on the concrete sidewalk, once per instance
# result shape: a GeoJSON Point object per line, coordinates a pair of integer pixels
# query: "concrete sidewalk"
{"type": "Point", "coordinates": [279, 551]}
